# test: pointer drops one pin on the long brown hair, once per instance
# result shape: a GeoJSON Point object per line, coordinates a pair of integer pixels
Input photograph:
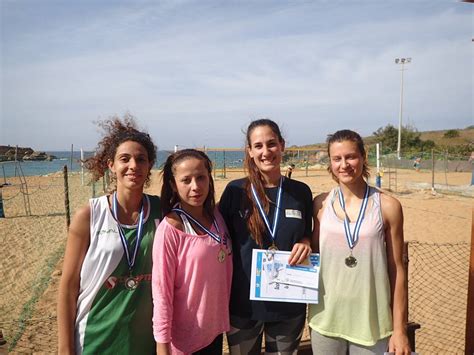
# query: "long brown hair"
{"type": "Point", "coordinates": [255, 222]}
{"type": "Point", "coordinates": [168, 196]}
{"type": "Point", "coordinates": [348, 135]}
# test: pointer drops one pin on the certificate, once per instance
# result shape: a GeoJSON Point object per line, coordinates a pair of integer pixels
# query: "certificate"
{"type": "Point", "coordinates": [273, 279]}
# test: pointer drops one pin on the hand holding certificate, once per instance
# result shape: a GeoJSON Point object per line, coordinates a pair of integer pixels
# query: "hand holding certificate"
{"type": "Point", "coordinates": [273, 279]}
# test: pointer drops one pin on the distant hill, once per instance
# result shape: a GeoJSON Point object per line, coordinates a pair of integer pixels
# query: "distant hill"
{"type": "Point", "coordinates": [466, 136]}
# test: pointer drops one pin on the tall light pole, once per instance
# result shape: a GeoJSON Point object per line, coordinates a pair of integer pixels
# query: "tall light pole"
{"type": "Point", "coordinates": [401, 61]}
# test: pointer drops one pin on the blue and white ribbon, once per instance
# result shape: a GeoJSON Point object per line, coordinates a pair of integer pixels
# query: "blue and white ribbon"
{"type": "Point", "coordinates": [353, 238]}
{"type": "Point", "coordinates": [130, 260]}
{"type": "Point", "coordinates": [271, 229]}
{"type": "Point", "coordinates": [213, 235]}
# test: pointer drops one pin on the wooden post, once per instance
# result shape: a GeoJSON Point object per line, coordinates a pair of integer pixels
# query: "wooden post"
{"type": "Point", "coordinates": [469, 348]}
{"type": "Point", "coordinates": [432, 170]}
{"type": "Point", "coordinates": [82, 167]}
{"type": "Point", "coordinates": [215, 163]}
{"type": "Point", "coordinates": [66, 197]}
{"type": "Point", "coordinates": [224, 166]}
{"type": "Point", "coordinates": [2, 214]}
{"type": "Point", "coordinates": [307, 162]}
{"type": "Point", "coordinates": [5, 178]}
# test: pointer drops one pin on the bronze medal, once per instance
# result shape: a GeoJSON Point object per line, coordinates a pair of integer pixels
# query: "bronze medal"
{"type": "Point", "coordinates": [351, 261]}
{"type": "Point", "coordinates": [131, 283]}
{"type": "Point", "coordinates": [273, 247]}
{"type": "Point", "coordinates": [221, 255]}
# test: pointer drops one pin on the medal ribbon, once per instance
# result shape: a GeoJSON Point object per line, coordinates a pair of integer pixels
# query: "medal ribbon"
{"type": "Point", "coordinates": [213, 235]}
{"type": "Point", "coordinates": [130, 261]}
{"type": "Point", "coordinates": [271, 230]}
{"type": "Point", "coordinates": [353, 238]}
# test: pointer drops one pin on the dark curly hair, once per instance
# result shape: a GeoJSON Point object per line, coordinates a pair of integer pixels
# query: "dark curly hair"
{"type": "Point", "coordinates": [117, 131]}
{"type": "Point", "coordinates": [168, 196]}
{"type": "Point", "coordinates": [348, 135]}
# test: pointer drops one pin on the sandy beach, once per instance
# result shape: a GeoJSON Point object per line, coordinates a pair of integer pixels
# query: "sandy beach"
{"type": "Point", "coordinates": [32, 247]}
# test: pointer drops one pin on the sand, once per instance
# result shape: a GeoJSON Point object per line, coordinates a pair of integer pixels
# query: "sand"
{"type": "Point", "coordinates": [32, 245]}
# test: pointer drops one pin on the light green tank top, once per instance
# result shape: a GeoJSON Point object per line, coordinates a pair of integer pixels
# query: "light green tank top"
{"type": "Point", "coordinates": [354, 303]}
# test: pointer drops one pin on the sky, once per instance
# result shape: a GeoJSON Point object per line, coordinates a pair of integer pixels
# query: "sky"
{"type": "Point", "coordinates": [196, 73]}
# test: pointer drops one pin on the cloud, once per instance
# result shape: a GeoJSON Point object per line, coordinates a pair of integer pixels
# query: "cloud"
{"type": "Point", "coordinates": [312, 67]}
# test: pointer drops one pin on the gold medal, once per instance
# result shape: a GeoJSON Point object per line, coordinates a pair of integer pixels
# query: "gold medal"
{"type": "Point", "coordinates": [221, 255]}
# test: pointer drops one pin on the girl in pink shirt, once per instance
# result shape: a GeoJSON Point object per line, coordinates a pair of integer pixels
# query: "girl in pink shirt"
{"type": "Point", "coordinates": [192, 262]}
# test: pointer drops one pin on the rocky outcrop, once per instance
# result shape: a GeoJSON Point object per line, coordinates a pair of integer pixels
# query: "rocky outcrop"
{"type": "Point", "coordinates": [7, 153]}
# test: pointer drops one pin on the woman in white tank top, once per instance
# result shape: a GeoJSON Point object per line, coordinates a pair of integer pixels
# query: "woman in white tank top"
{"type": "Point", "coordinates": [359, 233]}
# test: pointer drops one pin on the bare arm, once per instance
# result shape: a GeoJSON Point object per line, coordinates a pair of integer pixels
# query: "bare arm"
{"type": "Point", "coordinates": [302, 249]}
{"type": "Point", "coordinates": [163, 349]}
{"type": "Point", "coordinates": [393, 223]}
{"type": "Point", "coordinates": [76, 248]}
{"type": "Point", "coordinates": [318, 204]}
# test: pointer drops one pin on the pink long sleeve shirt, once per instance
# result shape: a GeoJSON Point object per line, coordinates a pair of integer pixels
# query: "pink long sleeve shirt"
{"type": "Point", "coordinates": [191, 287]}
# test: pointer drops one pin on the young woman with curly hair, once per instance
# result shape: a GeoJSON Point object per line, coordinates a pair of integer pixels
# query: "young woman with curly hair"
{"type": "Point", "coordinates": [104, 300]}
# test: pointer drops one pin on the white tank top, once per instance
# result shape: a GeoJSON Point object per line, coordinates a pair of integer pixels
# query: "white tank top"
{"type": "Point", "coordinates": [103, 256]}
{"type": "Point", "coordinates": [354, 303]}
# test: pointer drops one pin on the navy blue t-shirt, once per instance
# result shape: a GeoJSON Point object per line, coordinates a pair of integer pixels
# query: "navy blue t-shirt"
{"type": "Point", "coordinates": [234, 207]}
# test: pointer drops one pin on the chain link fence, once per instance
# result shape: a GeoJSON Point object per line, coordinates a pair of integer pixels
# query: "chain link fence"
{"type": "Point", "coordinates": [33, 237]}
{"type": "Point", "coordinates": [437, 289]}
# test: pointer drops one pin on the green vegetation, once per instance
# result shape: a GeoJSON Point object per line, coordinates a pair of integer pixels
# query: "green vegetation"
{"type": "Point", "coordinates": [452, 141]}
{"type": "Point", "coordinates": [451, 133]}
{"type": "Point", "coordinates": [459, 142]}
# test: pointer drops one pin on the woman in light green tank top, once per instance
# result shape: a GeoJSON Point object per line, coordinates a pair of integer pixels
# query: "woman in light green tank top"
{"type": "Point", "coordinates": [359, 233]}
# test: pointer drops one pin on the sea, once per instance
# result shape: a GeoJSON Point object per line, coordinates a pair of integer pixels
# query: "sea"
{"type": "Point", "coordinates": [231, 159]}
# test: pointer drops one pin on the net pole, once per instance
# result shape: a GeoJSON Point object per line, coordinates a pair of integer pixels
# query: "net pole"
{"type": "Point", "coordinates": [72, 153]}
{"type": "Point", "coordinates": [432, 170]}
{"type": "Point", "coordinates": [66, 197]}
{"type": "Point", "coordinates": [469, 348]}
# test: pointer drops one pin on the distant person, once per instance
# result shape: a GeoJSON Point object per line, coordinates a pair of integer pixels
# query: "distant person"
{"type": "Point", "coordinates": [265, 210]}
{"type": "Point", "coordinates": [289, 170]}
{"type": "Point", "coordinates": [104, 300]}
{"type": "Point", "coordinates": [358, 231]}
{"type": "Point", "coordinates": [192, 261]}
{"type": "Point", "coordinates": [416, 163]}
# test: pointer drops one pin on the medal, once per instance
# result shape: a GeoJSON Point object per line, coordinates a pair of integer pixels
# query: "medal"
{"type": "Point", "coordinates": [131, 283]}
{"type": "Point", "coordinates": [273, 247]}
{"type": "Point", "coordinates": [353, 238]}
{"type": "Point", "coordinates": [271, 229]}
{"type": "Point", "coordinates": [351, 261]}
{"type": "Point", "coordinates": [221, 255]}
